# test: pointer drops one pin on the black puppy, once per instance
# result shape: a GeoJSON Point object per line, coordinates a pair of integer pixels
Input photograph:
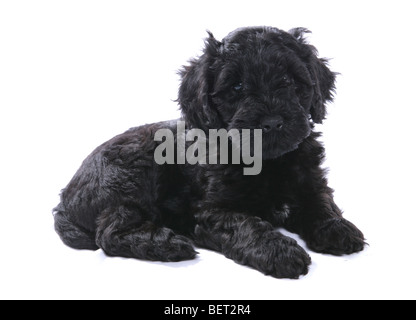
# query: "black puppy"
{"type": "Point", "coordinates": [122, 201]}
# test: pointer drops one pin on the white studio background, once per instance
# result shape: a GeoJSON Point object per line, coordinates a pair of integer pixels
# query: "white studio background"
{"type": "Point", "coordinates": [75, 73]}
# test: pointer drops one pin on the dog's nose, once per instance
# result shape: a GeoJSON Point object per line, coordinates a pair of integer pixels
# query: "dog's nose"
{"type": "Point", "coordinates": [272, 124]}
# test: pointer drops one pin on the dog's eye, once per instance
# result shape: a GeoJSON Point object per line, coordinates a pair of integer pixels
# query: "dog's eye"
{"type": "Point", "coordinates": [238, 87]}
{"type": "Point", "coordinates": [286, 80]}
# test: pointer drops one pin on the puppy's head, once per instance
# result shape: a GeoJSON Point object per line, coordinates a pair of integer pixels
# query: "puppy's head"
{"type": "Point", "coordinates": [258, 78]}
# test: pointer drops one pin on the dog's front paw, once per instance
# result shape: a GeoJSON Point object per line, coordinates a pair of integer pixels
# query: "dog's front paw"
{"type": "Point", "coordinates": [291, 260]}
{"type": "Point", "coordinates": [336, 236]}
{"type": "Point", "coordinates": [280, 257]}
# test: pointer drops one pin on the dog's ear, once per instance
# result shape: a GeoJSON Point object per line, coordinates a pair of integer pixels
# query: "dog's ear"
{"type": "Point", "coordinates": [322, 77]}
{"type": "Point", "coordinates": [324, 87]}
{"type": "Point", "coordinates": [195, 90]}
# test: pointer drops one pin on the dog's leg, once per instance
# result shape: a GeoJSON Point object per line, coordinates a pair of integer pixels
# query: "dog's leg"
{"type": "Point", "coordinates": [251, 241]}
{"type": "Point", "coordinates": [121, 233]}
{"type": "Point", "coordinates": [318, 220]}
{"type": "Point", "coordinates": [72, 234]}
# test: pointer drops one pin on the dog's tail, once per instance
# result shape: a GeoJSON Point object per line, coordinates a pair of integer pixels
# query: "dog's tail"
{"type": "Point", "coordinates": [72, 234]}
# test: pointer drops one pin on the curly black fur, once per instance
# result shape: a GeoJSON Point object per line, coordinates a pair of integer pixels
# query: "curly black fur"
{"type": "Point", "coordinates": [120, 200]}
